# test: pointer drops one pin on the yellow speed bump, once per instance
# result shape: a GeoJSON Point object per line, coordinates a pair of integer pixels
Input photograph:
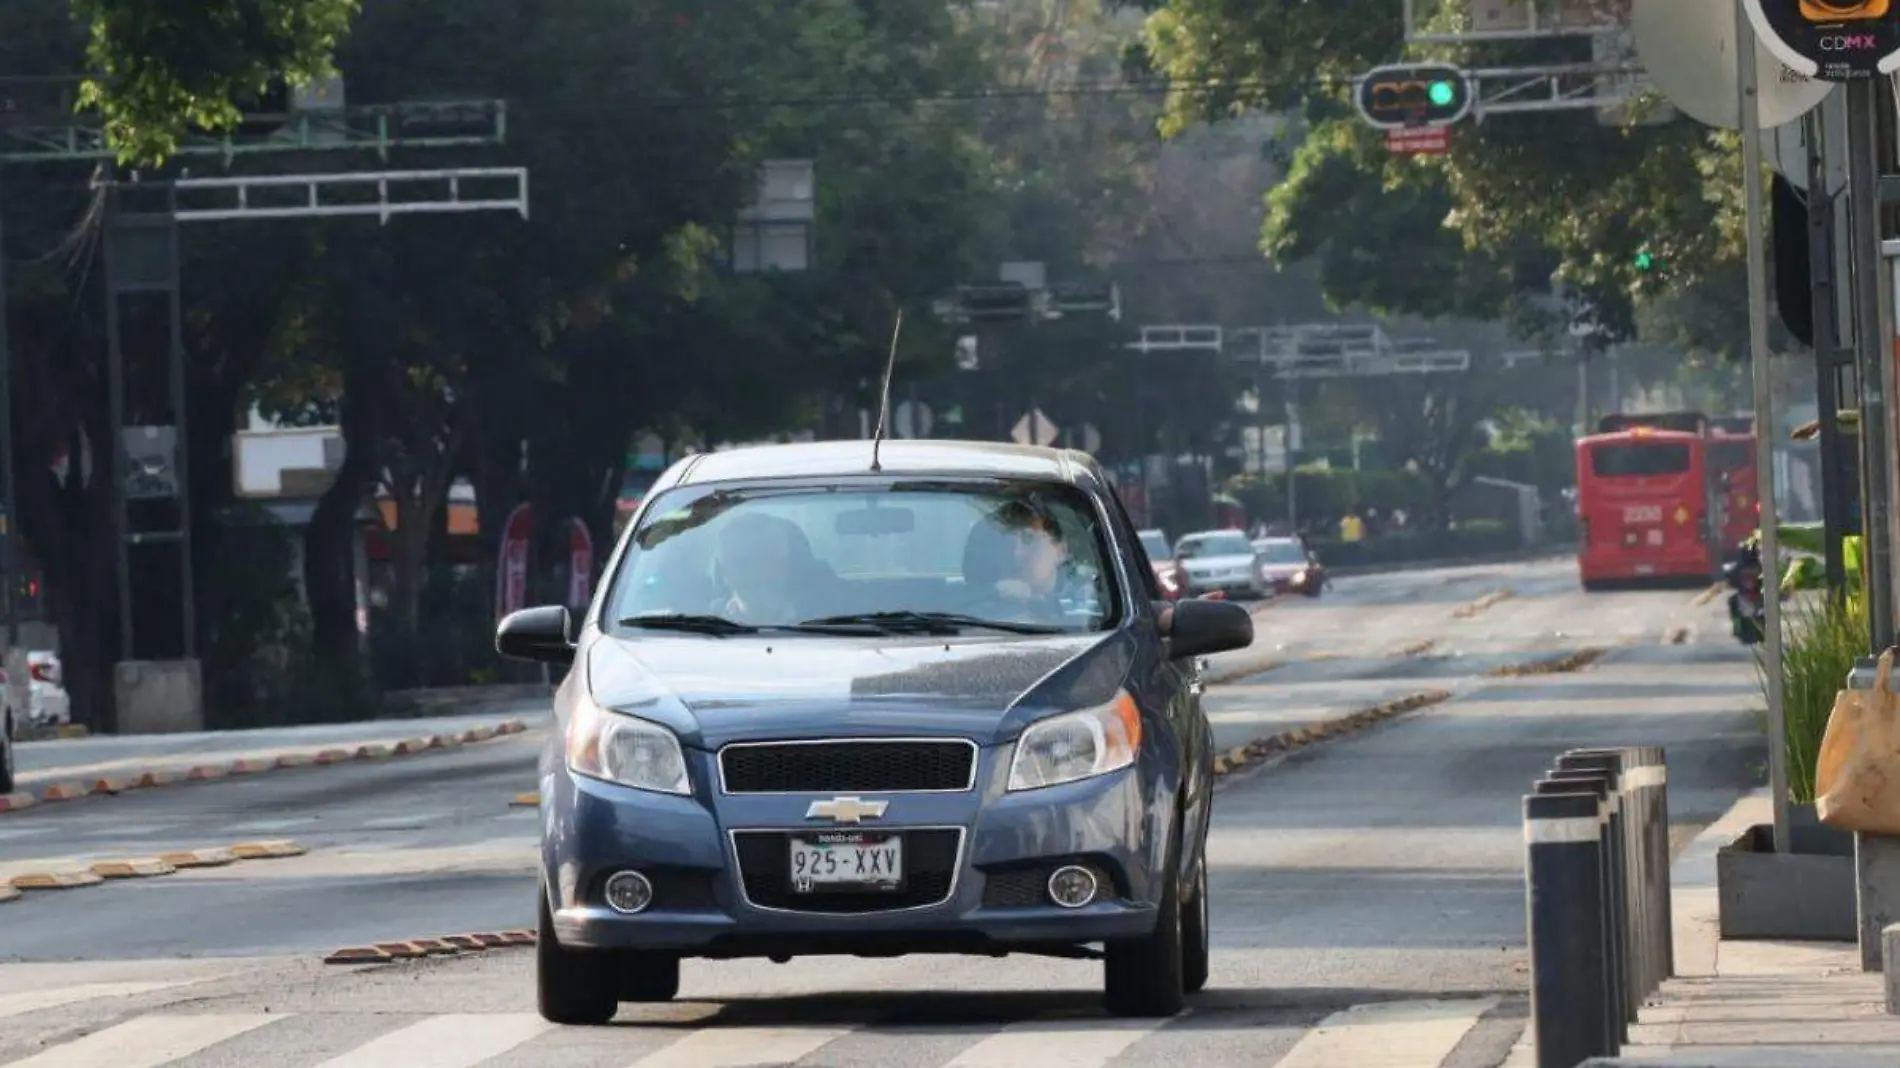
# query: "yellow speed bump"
{"type": "Point", "coordinates": [409, 746]}
{"type": "Point", "coordinates": [132, 869]}
{"type": "Point", "coordinates": [8, 893]}
{"type": "Point", "coordinates": [55, 880]}
{"type": "Point", "coordinates": [17, 802]}
{"type": "Point", "coordinates": [478, 734]}
{"type": "Point", "coordinates": [434, 947]}
{"type": "Point", "coordinates": [267, 850]}
{"type": "Point", "coordinates": [445, 741]}
{"type": "Point", "coordinates": [531, 799]}
{"type": "Point", "coordinates": [199, 858]}
{"type": "Point", "coordinates": [372, 752]}
{"type": "Point", "coordinates": [520, 938]}
{"type": "Point", "coordinates": [401, 950]}
{"type": "Point", "coordinates": [357, 955]}
{"type": "Point", "coordinates": [64, 791]}
{"type": "Point", "coordinates": [464, 943]}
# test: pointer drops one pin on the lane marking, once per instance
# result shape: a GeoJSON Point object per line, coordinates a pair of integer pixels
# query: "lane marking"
{"type": "Point", "coordinates": [149, 1041]}
{"type": "Point", "coordinates": [1071, 1043]}
{"type": "Point", "coordinates": [27, 1001]}
{"type": "Point", "coordinates": [417, 821]}
{"type": "Point", "coordinates": [266, 826]}
{"type": "Point", "coordinates": [1400, 1034]}
{"type": "Point", "coordinates": [448, 1041]}
{"type": "Point", "coordinates": [742, 1047]}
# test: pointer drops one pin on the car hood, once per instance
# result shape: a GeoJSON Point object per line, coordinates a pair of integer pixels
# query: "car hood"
{"type": "Point", "coordinates": [712, 691]}
{"type": "Point", "coordinates": [1218, 563]}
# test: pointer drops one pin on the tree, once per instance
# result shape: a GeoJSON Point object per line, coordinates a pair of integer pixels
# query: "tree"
{"type": "Point", "coordinates": [1559, 187]}
{"type": "Point", "coordinates": [162, 67]}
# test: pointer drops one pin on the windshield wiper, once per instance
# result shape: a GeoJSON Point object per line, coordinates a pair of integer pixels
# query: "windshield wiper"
{"type": "Point", "coordinates": [698, 624]}
{"type": "Point", "coordinates": [930, 623]}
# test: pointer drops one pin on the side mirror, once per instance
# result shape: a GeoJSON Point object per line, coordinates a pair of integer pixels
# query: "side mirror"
{"type": "Point", "coordinates": [1203, 627]}
{"type": "Point", "coordinates": [540, 634]}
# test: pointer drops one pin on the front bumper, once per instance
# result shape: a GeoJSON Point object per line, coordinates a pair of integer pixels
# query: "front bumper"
{"type": "Point", "coordinates": [1232, 586]}
{"type": "Point", "coordinates": [978, 863]}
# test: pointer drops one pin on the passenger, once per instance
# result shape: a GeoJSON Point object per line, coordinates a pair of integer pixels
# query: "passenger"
{"type": "Point", "coordinates": [761, 560]}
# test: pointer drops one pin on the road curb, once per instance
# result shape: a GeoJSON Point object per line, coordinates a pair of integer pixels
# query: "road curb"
{"type": "Point", "coordinates": [319, 756]}
{"type": "Point", "coordinates": [100, 872]}
{"type": "Point", "coordinates": [1260, 750]}
{"type": "Point", "coordinates": [1560, 665]}
{"type": "Point", "coordinates": [439, 946]}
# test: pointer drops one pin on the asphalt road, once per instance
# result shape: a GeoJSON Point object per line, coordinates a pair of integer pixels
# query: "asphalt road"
{"type": "Point", "coordinates": [1367, 893]}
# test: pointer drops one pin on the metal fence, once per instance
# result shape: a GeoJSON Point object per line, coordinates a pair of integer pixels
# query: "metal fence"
{"type": "Point", "coordinates": [1596, 878]}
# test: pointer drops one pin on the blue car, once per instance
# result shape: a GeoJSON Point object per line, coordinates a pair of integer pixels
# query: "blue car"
{"type": "Point", "coordinates": [831, 699]}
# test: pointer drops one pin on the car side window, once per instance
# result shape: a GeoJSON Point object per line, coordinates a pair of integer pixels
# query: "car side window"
{"type": "Point", "coordinates": [1125, 530]}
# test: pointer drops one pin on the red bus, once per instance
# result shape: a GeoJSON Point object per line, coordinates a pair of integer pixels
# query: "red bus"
{"type": "Point", "coordinates": [1644, 502]}
{"type": "Point", "coordinates": [1732, 466]}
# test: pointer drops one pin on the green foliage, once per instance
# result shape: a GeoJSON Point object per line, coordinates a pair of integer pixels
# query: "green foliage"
{"type": "Point", "coordinates": [1516, 202]}
{"type": "Point", "coordinates": [1823, 637]}
{"type": "Point", "coordinates": [161, 67]}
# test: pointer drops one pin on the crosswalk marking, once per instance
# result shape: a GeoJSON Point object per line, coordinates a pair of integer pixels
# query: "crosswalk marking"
{"type": "Point", "coordinates": [148, 1041]}
{"type": "Point", "coordinates": [1399, 1034]}
{"type": "Point", "coordinates": [1070, 1043]}
{"type": "Point", "coordinates": [742, 1047]}
{"type": "Point", "coordinates": [27, 1001]}
{"type": "Point", "coordinates": [455, 1041]}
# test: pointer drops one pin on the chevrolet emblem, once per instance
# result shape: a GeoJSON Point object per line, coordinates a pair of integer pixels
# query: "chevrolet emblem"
{"type": "Point", "coordinates": [846, 810]}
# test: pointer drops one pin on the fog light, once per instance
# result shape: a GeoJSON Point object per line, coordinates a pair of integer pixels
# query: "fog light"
{"type": "Point", "coordinates": [1072, 887]}
{"type": "Point", "coordinates": [629, 892]}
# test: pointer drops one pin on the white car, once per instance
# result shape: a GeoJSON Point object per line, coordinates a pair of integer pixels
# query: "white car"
{"type": "Point", "coordinates": [1220, 560]}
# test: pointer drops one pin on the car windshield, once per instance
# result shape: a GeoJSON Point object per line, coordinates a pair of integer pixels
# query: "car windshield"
{"type": "Point", "coordinates": [1282, 552]}
{"type": "Point", "coordinates": [1194, 545]}
{"type": "Point", "coordinates": [950, 554]}
{"type": "Point", "coordinates": [1155, 545]}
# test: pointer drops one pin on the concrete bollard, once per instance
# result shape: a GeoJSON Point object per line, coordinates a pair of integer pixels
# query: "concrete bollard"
{"type": "Point", "coordinates": [1890, 956]}
{"type": "Point", "coordinates": [1564, 908]}
{"type": "Point", "coordinates": [1629, 904]}
{"type": "Point", "coordinates": [1615, 944]}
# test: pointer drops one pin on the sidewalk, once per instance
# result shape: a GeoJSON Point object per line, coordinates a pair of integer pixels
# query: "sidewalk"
{"type": "Point", "coordinates": [1752, 1004]}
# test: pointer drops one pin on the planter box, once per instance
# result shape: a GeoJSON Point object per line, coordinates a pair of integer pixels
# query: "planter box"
{"type": "Point", "coordinates": [1807, 895]}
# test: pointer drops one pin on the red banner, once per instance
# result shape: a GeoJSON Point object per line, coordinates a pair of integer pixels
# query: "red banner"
{"type": "Point", "coordinates": [511, 577]}
{"type": "Point", "coordinates": [580, 564]}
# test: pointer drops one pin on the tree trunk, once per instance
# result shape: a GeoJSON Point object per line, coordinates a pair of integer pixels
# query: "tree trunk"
{"type": "Point", "coordinates": [329, 563]}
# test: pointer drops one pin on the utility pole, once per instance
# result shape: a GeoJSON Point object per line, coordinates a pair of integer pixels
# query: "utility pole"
{"type": "Point", "coordinates": [1873, 345]}
{"type": "Point", "coordinates": [1827, 349]}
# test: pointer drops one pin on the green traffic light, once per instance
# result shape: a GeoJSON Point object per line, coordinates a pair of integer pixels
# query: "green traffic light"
{"type": "Point", "coordinates": [1440, 93]}
{"type": "Point", "coordinates": [1645, 261]}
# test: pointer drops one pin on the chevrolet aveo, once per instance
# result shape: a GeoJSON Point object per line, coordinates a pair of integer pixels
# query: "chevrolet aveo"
{"type": "Point", "coordinates": [927, 700]}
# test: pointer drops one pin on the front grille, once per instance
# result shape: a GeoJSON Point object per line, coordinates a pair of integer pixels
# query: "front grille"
{"type": "Point", "coordinates": [930, 870]}
{"type": "Point", "coordinates": [870, 766]}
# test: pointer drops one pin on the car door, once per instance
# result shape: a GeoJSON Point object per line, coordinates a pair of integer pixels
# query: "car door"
{"type": "Point", "coordinates": [1174, 685]}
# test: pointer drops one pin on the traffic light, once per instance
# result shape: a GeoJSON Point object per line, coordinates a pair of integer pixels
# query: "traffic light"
{"type": "Point", "coordinates": [995, 303]}
{"type": "Point", "coordinates": [1645, 260]}
{"type": "Point", "coordinates": [1392, 98]}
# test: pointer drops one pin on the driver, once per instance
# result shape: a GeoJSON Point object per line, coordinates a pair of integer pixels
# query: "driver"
{"type": "Point", "coordinates": [1017, 561]}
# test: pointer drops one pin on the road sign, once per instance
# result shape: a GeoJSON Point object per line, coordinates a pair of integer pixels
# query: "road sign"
{"type": "Point", "coordinates": [1427, 95]}
{"type": "Point", "coordinates": [1833, 40]}
{"type": "Point", "coordinates": [1034, 428]}
{"type": "Point", "coordinates": [1688, 49]}
{"type": "Point", "coordinates": [580, 564]}
{"type": "Point", "coordinates": [912, 420]}
{"type": "Point", "coordinates": [1419, 141]}
{"type": "Point", "coordinates": [511, 580]}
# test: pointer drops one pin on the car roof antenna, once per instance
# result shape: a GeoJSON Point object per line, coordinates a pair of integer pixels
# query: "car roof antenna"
{"type": "Point", "coordinates": [884, 402]}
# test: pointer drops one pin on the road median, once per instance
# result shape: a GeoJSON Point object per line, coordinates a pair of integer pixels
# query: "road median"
{"type": "Point", "coordinates": [1264, 749]}
{"type": "Point", "coordinates": [438, 946]}
{"type": "Point", "coordinates": [73, 784]}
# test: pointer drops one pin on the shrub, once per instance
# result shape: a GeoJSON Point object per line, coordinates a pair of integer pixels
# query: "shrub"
{"type": "Point", "coordinates": [1822, 639]}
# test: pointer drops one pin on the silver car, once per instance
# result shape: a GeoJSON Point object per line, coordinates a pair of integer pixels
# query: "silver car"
{"type": "Point", "coordinates": [1220, 560]}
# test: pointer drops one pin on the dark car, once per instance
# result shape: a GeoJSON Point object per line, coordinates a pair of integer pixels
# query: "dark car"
{"type": "Point", "coordinates": [823, 704]}
{"type": "Point", "coordinates": [1289, 567]}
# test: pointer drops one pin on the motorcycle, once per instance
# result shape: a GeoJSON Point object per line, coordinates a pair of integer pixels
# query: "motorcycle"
{"type": "Point", "coordinates": [1747, 610]}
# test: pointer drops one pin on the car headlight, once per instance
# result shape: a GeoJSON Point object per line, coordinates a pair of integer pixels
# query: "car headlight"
{"type": "Point", "coordinates": [618, 748]}
{"type": "Point", "coordinates": [1077, 745]}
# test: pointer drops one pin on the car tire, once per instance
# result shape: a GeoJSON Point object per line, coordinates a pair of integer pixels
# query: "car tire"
{"type": "Point", "coordinates": [1195, 950]}
{"type": "Point", "coordinates": [643, 976]}
{"type": "Point", "coordinates": [1142, 977]}
{"type": "Point", "coordinates": [572, 986]}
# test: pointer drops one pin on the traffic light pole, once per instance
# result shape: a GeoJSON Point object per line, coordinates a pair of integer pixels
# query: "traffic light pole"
{"type": "Point", "coordinates": [1827, 351]}
{"type": "Point", "coordinates": [1872, 346]}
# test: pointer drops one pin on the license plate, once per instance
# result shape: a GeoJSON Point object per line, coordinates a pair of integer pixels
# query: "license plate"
{"type": "Point", "coordinates": [1642, 513]}
{"type": "Point", "coordinates": [846, 860]}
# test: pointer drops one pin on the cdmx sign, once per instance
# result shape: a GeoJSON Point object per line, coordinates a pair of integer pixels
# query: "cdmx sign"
{"type": "Point", "coordinates": [1396, 97]}
{"type": "Point", "coordinates": [1833, 40]}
